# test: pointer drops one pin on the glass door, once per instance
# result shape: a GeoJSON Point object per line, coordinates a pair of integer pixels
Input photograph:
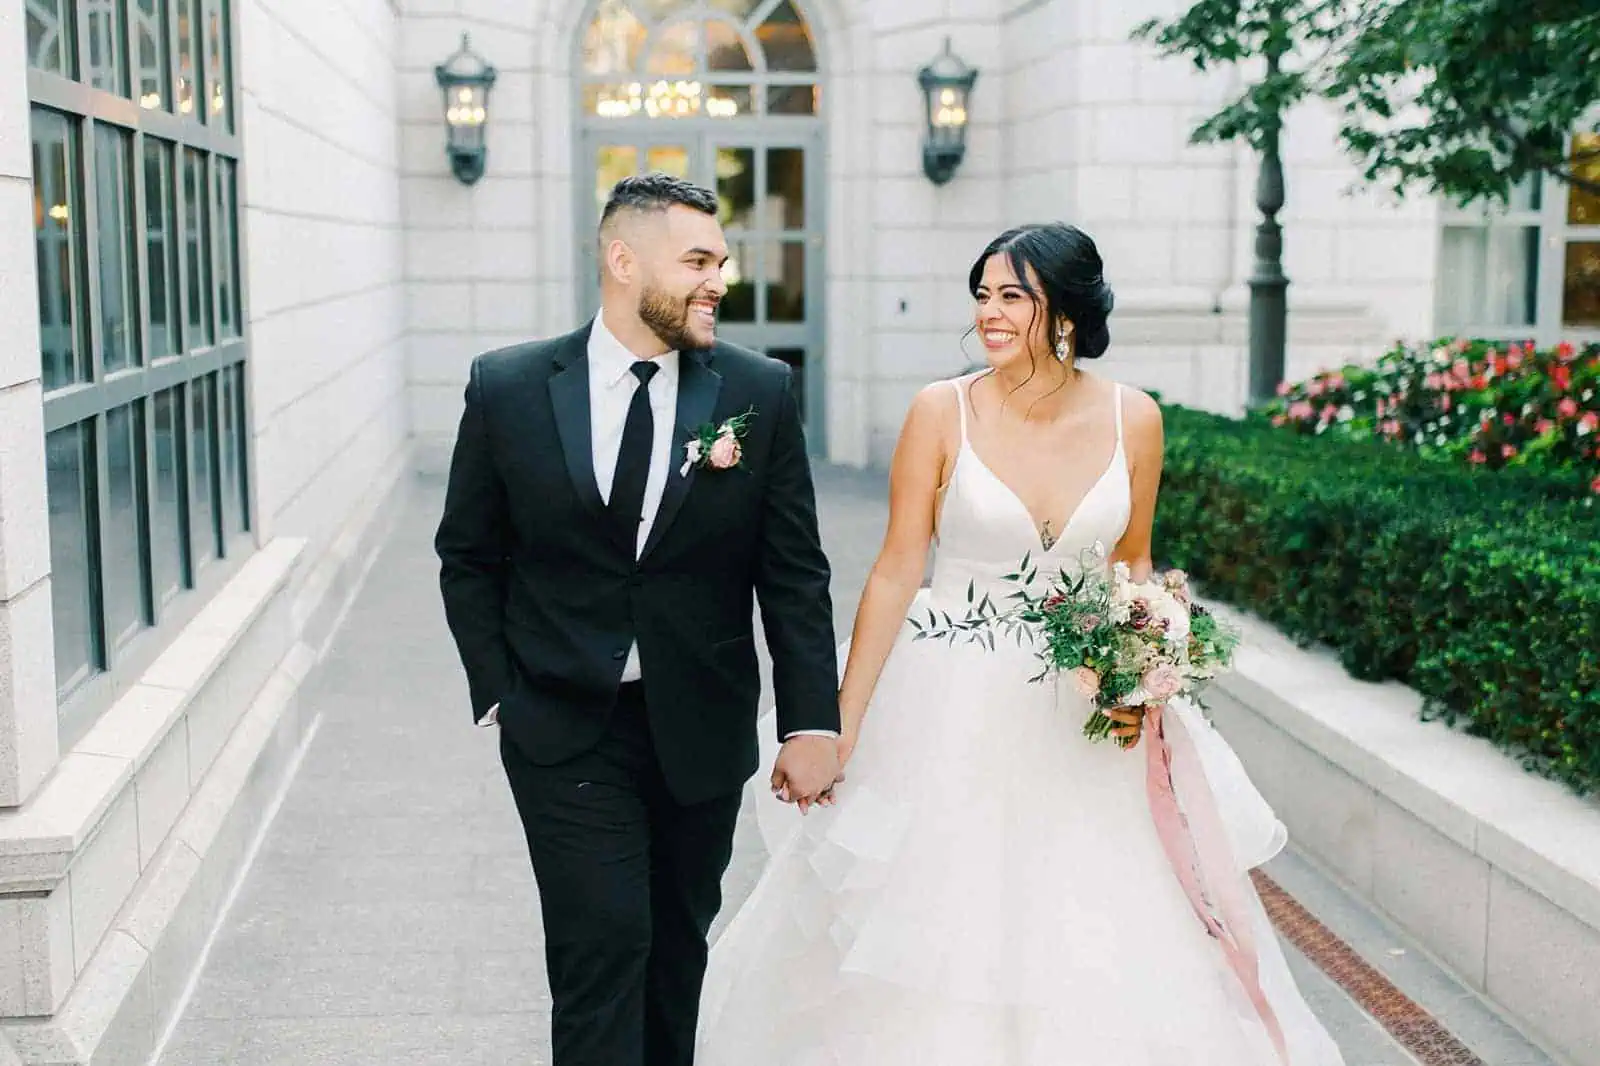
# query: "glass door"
{"type": "Point", "coordinates": [767, 184]}
{"type": "Point", "coordinates": [610, 157]}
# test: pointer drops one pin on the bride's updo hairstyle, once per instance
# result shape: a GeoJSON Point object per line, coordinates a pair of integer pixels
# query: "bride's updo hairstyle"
{"type": "Point", "coordinates": [1068, 267]}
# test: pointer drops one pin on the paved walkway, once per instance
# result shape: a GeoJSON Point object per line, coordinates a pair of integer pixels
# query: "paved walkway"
{"type": "Point", "coordinates": [390, 914]}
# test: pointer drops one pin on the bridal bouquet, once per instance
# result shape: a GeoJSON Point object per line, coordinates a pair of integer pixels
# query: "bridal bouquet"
{"type": "Point", "coordinates": [1120, 642]}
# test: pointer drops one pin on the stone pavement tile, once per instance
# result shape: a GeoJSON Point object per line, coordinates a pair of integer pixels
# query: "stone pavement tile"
{"type": "Point", "coordinates": [505, 875]}
{"type": "Point", "coordinates": [379, 926]}
{"type": "Point", "coordinates": [423, 765]}
{"type": "Point", "coordinates": [374, 1040]}
{"type": "Point", "coordinates": [288, 881]}
{"type": "Point", "coordinates": [389, 673]}
{"type": "Point", "coordinates": [1393, 955]}
{"type": "Point", "coordinates": [502, 982]}
{"type": "Point", "coordinates": [319, 985]}
{"type": "Point", "coordinates": [1362, 1040]}
{"type": "Point", "coordinates": [309, 832]}
{"type": "Point", "coordinates": [380, 798]}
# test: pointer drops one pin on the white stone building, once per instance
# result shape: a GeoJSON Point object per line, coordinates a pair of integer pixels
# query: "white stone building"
{"type": "Point", "coordinates": [239, 290]}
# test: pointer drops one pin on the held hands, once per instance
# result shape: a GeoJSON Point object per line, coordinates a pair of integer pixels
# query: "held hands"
{"type": "Point", "coordinates": [806, 770]}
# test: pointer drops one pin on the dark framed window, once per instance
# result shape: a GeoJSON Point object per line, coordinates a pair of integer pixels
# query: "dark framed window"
{"type": "Point", "coordinates": [141, 308]}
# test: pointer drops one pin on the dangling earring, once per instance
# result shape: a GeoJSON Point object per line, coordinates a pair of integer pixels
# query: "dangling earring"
{"type": "Point", "coordinates": [1063, 349]}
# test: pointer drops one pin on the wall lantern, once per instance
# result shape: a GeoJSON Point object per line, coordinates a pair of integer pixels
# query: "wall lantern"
{"type": "Point", "coordinates": [466, 79]}
{"type": "Point", "coordinates": [946, 83]}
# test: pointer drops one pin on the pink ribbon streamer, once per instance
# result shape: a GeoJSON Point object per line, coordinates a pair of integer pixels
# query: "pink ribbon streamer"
{"type": "Point", "coordinates": [1198, 848]}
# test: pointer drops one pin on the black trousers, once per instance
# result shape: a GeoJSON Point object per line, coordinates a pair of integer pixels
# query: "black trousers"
{"type": "Point", "coordinates": [629, 883]}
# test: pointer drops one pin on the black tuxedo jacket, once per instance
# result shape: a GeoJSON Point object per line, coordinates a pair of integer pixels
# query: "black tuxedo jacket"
{"type": "Point", "coordinates": [544, 595]}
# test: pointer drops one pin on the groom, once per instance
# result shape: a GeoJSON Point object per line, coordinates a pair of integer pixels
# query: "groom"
{"type": "Point", "coordinates": [599, 578]}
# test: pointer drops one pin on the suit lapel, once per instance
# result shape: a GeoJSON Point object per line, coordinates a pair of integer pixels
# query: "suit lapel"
{"type": "Point", "coordinates": [698, 388]}
{"type": "Point", "coordinates": [569, 396]}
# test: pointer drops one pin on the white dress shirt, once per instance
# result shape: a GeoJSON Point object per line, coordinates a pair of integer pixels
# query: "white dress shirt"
{"type": "Point", "coordinates": [611, 388]}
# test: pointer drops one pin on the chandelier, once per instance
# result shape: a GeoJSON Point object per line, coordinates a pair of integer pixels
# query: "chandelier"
{"type": "Point", "coordinates": [663, 99]}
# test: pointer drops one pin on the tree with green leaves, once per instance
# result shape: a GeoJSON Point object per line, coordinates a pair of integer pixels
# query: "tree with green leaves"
{"type": "Point", "coordinates": [1500, 86]}
{"type": "Point", "coordinates": [1461, 98]}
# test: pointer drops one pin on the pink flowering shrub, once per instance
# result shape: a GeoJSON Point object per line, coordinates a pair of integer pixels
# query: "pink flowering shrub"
{"type": "Point", "coordinates": [1489, 404]}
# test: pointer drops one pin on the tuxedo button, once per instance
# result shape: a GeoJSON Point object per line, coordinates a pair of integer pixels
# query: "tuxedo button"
{"type": "Point", "coordinates": [635, 581]}
{"type": "Point", "coordinates": [620, 655]}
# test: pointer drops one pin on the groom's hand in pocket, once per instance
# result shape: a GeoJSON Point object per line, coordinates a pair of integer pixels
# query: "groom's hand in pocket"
{"type": "Point", "coordinates": [807, 767]}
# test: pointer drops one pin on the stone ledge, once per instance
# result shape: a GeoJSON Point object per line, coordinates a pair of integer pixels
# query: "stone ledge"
{"type": "Point", "coordinates": [39, 840]}
{"type": "Point", "coordinates": [104, 960]}
{"type": "Point", "coordinates": [1493, 871]}
{"type": "Point", "coordinates": [135, 981]}
{"type": "Point", "coordinates": [88, 841]}
{"type": "Point", "coordinates": [1461, 786]}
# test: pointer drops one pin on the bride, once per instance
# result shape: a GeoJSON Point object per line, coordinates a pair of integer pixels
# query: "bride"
{"type": "Point", "coordinates": [990, 888]}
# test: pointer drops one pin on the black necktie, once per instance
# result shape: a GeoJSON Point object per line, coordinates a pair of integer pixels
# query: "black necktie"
{"type": "Point", "coordinates": [633, 458]}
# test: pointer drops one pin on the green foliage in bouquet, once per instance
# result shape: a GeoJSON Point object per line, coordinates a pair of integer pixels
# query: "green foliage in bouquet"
{"type": "Point", "coordinates": [1480, 589]}
{"type": "Point", "coordinates": [1120, 642]}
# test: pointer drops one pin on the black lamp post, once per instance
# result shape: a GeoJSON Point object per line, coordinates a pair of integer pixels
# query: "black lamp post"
{"type": "Point", "coordinates": [1269, 287]}
{"type": "Point", "coordinates": [946, 83]}
{"type": "Point", "coordinates": [466, 79]}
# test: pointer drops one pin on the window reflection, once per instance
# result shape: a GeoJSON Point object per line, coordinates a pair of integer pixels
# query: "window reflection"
{"type": "Point", "coordinates": [62, 296]}
{"type": "Point", "coordinates": [675, 52]}
{"type": "Point", "coordinates": [614, 40]}
{"type": "Point", "coordinates": [169, 547]}
{"type": "Point", "coordinates": [786, 281]}
{"type": "Point", "coordinates": [738, 9]}
{"type": "Point", "coordinates": [207, 533]}
{"type": "Point", "coordinates": [150, 37]}
{"type": "Point", "coordinates": [161, 247]}
{"type": "Point", "coordinates": [127, 607]}
{"type": "Point", "coordinates": [113, 201]}
{"type": "Point", "coordinates": [68, 472]}
{"type": "Point", "coordinates": [786, 188]}
{"type": "Point", "coordinates": [725, 49]}
{"type": "Point", "coordinates": [197, 247]}
{"type": "Point", "coordinates": [1583, 205]}
{"type": "Point", "coordinates": [219, 88]}
{"type": "Point", "coordinates": [736, 188]}
{"type": "Point", "coordinates": [1580, 305]}
{"type": "Point", "coordinates": [613, 162]}
{"type": "Point", "coordinates": [225, 213]}
{"type": "Point", "coordinates": [1489, 276]}
{"type": "Point", "coordinates": [188, 56]}
{"type": "Point", "coordinates": [786, 39]}
{"type": "Point", "coordinates": [49, 35]}
{"type": "Point", "coordinates": [660, 9]}
{"type": "Point", "coordinates": [792, 100]}
{"type": "Point", "coordinates": [106, 34]}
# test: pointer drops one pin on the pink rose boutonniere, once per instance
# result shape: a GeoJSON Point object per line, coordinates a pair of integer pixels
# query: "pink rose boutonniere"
{"type": "Point", "coordinates": [717, 447]}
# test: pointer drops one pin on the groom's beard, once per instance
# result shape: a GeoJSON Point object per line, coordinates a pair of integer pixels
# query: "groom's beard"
{"type": "Point", "coordinates": [668, 319]}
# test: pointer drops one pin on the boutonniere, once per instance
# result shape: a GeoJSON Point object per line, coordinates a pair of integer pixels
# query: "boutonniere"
{"type": "Point", "coordinates": [716, 446]}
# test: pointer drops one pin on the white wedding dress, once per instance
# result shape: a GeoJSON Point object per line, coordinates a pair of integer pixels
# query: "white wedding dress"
{"type": "Point", "coordinates": [990, 889]}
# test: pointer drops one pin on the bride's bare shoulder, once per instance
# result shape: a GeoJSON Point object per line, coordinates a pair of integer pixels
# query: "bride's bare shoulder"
{"type": "Point", "coordinates": [937, 404]}
{"type": "Point", "coordinates": [1138, 404]}
{"type": "Point", "coordinates": [1142, 427]}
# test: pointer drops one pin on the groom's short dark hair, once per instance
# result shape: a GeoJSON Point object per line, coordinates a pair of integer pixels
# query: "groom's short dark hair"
{"type": "Point", "coordinates": [656, 192]}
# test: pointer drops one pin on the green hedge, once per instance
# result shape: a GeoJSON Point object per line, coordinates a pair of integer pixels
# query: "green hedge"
{"type": "Point", "coordinates": [1481, 590]}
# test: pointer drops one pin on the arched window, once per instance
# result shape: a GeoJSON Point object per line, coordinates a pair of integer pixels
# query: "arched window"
{"type": "Point", "coordinates": [698, 59]}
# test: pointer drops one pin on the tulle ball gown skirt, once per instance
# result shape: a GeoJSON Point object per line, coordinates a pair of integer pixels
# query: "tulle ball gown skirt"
{"type": "Point", "coordinates": [990, 890]}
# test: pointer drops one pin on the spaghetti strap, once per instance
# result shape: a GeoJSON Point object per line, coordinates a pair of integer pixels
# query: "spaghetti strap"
{"type": "Point", "coordinates": [1118, 391]}
{"type": "Point", "coordinates": [959, 384]}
